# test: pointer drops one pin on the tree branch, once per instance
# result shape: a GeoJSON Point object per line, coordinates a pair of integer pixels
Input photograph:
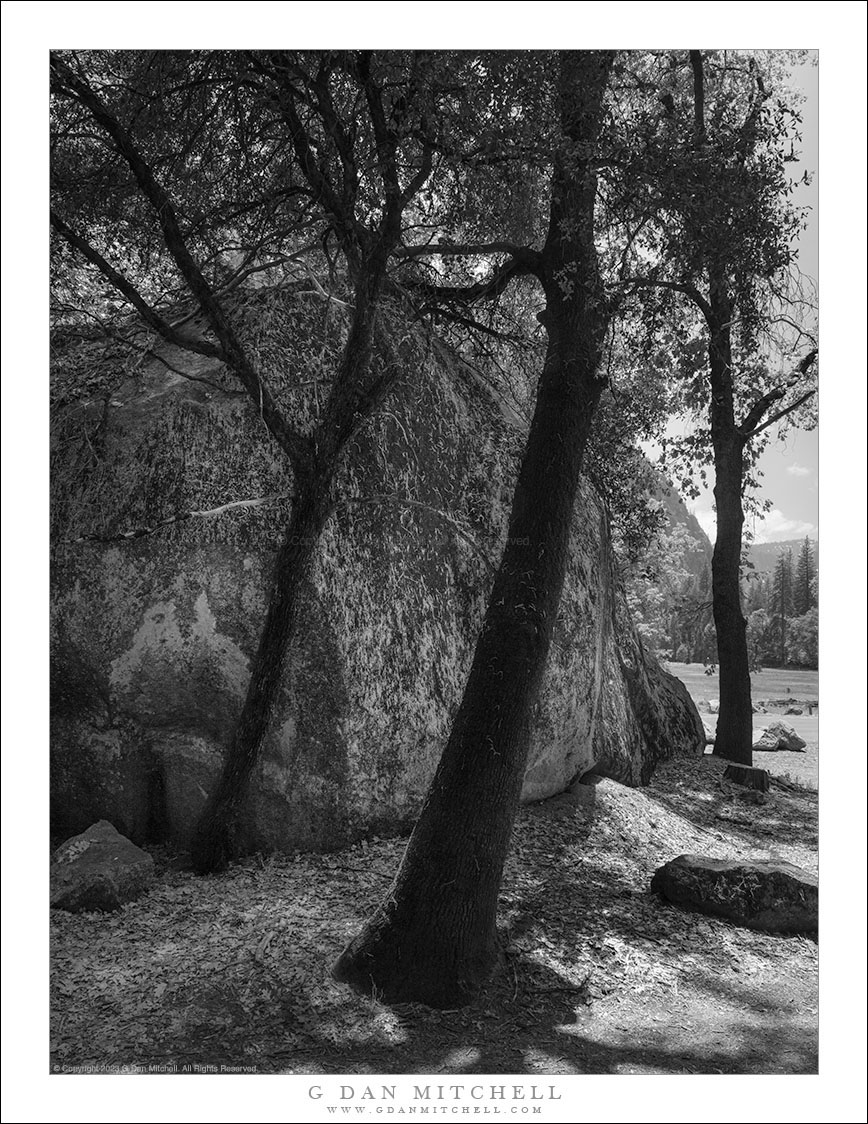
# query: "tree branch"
{"type": "Point", "coordinates": [141, 532]}
{"type": "Point", "coordinates": [313, 170]}
{"type": "Point", "coordinates": [750, 426]}
{"type": "Point", "coordinates": [151, 318]}
{"type": "Point", "coordinates": [383, 140]}
{"type": "Point", "coordinates": [261, 501]}
{"type": "Point", "coordinates": [782, 413]}
{"type": "Point", "coordinates": [476, 325]}
{"type": "Point", "coordinates": [295, 445]}
{"type": "Point", "coordinates": [747, 138]}
{"type": "Point", "coordinates": [489, 289]}
{"type": "Point", "coordinates": [522, 254]}
{"type": "Point", "coordinates": [342, 139]}
{"type": "Point", "coordinates": [417, 182]}
{"type": "Point", "coordinates": [121, 339]}
{"type": "Point", "coordinates": [679, 286]}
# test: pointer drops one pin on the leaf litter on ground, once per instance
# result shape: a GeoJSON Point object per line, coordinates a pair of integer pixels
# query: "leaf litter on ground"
{"type": "Point", "coordinates": [598, 974]}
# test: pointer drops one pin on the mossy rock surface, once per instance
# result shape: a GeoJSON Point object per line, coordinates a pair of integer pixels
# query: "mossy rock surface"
{"type": "Point", "coordinates": [152, 637]}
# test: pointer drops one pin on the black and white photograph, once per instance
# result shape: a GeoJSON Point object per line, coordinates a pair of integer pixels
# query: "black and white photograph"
{"type": "Point", "coordinates": [426, 430]}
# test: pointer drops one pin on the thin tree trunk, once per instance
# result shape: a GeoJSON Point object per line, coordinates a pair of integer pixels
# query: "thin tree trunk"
{"type": "Point", "coordinates": [734, 735]}
{"type": "Point", "coordinates": [783, 659]}
{"type": "Point", "coordinates": [351, 400]}
{"type": "Point", "coordinates": [434, 939]}
{"type": "Point", "coordinates": [214, 842]}
{"type": "Point", "coordinates": [735, 722]}
{"type": "Point", "coordinates": [734, 739]}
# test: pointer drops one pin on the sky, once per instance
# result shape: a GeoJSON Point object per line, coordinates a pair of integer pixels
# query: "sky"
{"type": "Point", "coordinates": [790, 466]}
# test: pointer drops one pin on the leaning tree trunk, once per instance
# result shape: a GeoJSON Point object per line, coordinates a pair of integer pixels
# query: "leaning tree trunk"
{"type": "Point", "coordinates": [434, 939]}
{"type": "Point", "coordinates": [350, 401]}
{"type": "Point", "coordinates": [213, 843]}
{"type": "Point", "coordinates": [734, 737]}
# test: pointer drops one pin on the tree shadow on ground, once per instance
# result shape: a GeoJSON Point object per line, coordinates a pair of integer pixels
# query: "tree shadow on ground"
{"type": "Point", "coordinates": [533, 1021]}
{"type": "Point", "coordinates": [599, 974]}
{"type": "Point", "coordinates": [559, 1005]}
{"type": "Point", "coordinates": [536, 1017]}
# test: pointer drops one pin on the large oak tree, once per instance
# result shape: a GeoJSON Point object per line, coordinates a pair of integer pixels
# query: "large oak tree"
{"type": "Point", "coordinates": [434, 939]}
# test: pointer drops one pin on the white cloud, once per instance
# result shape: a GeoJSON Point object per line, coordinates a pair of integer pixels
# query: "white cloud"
{"type": "Point", "coordinates": [798, 470]}
{"type": "Point", "coordinates": [774, 527]}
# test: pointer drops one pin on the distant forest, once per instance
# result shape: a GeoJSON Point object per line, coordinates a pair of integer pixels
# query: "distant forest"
{"type": "Point", "coordinates": [669, 591]}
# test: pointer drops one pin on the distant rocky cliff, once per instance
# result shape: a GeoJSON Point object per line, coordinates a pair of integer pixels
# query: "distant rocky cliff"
{"type": "Point", "coordinates": [678, 515]}
{"type": "Point", "coordinates": [152, 635]}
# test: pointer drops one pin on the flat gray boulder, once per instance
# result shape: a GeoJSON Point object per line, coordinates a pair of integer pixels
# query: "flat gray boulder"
{"type": "Point", "coordinates": [767, 894]}
{"type": "Point", "coordinates": [779, 736]}
{"type": "Point", "coordinates": [98, 871]}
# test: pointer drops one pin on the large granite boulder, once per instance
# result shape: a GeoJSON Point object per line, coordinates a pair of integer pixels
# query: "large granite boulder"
{"type": "Point", "coordinates": [98, 871]}
{"type": "Point", "coordinates": [153, 635]}
{"type": "Point", "coordinates": [778, 736]}
{"type": "Point", "coordinates": [771, 895]}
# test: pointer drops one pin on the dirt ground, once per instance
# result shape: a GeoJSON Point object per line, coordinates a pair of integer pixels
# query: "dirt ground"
{"type": "Point", "coordinates": [598, 975]}
{"type": "Point", "coordinates": [802, 767]}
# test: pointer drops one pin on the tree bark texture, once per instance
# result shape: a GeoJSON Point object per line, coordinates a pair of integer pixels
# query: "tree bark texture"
{"type": "Point", "coordinates": [434, 939]}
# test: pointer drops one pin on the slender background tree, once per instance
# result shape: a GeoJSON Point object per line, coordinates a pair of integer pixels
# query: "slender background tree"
{"type": "Point", "coordinates": [705, 195]}
{"type": "Point", "coordinates": [804, 582]}
{"type": "Point", "coordinates": [782, 601]}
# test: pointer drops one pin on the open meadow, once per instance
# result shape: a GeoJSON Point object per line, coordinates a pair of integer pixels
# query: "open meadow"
{"type": "Point", "coordinates": [774, 686]}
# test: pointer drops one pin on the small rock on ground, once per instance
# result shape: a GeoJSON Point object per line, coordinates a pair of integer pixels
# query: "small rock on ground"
{"type": "Point", "coordinates": [767, 894]}
{"type": "Point", "coordinates": [98, 871]}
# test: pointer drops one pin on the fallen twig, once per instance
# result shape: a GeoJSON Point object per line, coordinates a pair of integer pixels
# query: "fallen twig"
{"type": "Point", "coordinates": [583, 986]}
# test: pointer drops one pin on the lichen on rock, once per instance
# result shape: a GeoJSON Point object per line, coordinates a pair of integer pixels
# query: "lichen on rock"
{"type": "Point", "coordinates": [152, 637]}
